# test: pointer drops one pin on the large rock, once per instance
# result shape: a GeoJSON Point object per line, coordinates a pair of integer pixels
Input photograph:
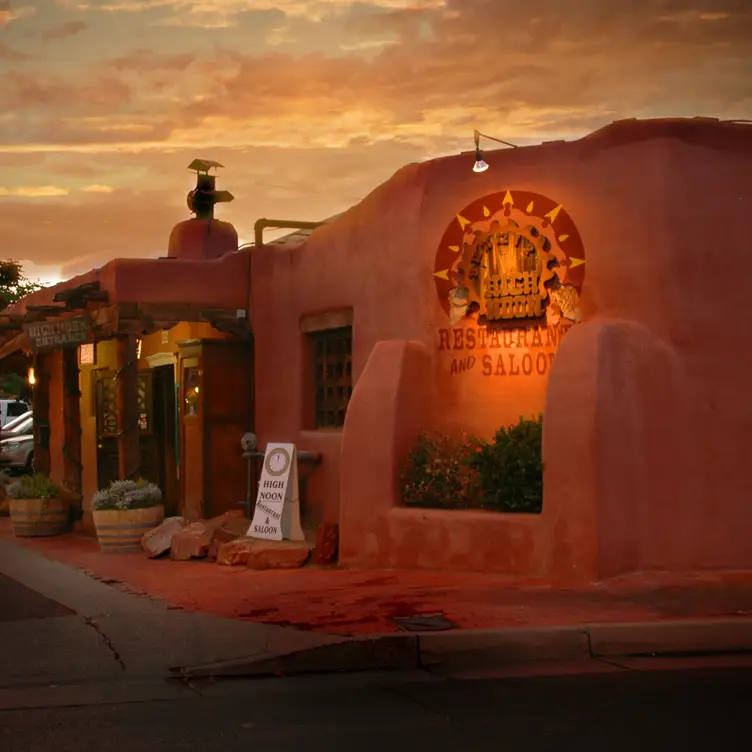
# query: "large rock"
{"type": "Point", "coordinates": [327, 544]}
{"type": "Point", "coordinates": [263, 554]}
{"type": "Point", "coordinates": [158, 540]}
{"type": "Point", "coordinates": [235, 552]}
{"type": "Point", "coordinates": [194, 540]}
{"type": "Point", "coordinates": [232, 529]}
{"type": "Point", "coordinates": [278, 555]}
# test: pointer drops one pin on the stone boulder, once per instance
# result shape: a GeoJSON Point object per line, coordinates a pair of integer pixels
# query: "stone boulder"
{"type": "Point", "coordinates": [234, 528]}
{"type": "Point", "coordinates": [158, 540]}
{"type": "Point", "coordinates": [235, 552]}
{"type": "Point", "coordinates": [278, 554]}
{"type": "Point", "coordinates": [262, 554]}
{"type": "Point", "coordinates": [327, 544]}
{"type": "Point", "coordinates": [194, 540]}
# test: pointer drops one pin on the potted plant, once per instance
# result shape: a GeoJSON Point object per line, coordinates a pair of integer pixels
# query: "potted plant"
{"type": "Point", "coordinates": [36, 507]}
{"type": "Point", "coordinates": [123, 512]}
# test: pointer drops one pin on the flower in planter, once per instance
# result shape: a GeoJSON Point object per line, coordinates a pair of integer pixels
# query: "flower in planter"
{"type": "Point", "coordinates": [37, 486]}
{"type": "Point", "coordinates": [127, 494]}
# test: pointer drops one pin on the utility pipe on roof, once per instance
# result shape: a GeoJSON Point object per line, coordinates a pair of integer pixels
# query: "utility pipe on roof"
{"type": "Point", "coordinates": [263, 224]}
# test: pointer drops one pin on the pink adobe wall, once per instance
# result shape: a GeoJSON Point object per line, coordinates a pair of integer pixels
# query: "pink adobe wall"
{"type": "Point", "coordinates": [221, 283]}
{"type": "Point", "coordinates": [655, 365]}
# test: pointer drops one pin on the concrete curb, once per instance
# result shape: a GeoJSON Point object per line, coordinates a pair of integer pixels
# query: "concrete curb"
{"type": "Point", "coordinates": [382, 652]}
{"type": "Point", "coordinates": [493, 648]}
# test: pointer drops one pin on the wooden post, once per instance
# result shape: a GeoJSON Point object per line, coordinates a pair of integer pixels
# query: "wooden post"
{"type": "Point", "coordinates": [129, 449]}
{"type": "Point", "coordinates": [41, 412]}
{"type": "Point", "coordinates": [71, 422]}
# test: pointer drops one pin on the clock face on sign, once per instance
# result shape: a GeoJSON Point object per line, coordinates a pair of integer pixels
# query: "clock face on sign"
{"type": "Point", "coordinates": [277, 461]}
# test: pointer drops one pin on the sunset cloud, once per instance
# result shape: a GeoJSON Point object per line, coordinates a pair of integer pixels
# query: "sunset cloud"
{"type": "Point", "coordinates": [34, 191]}
{"type": "Point", "coordinates": [10, 12]}
{"type": "Point", "coordinates": [64, 30]}
{"type": "Point", "coordinates": [312, 103]}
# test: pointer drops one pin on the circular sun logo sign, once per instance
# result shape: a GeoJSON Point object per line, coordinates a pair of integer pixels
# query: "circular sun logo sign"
{"type": "Point", "coordinates": [511, 257]}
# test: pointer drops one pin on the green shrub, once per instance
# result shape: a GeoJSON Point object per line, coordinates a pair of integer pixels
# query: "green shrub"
{"type": "Point", "coordinates": [510, 468]}
{"type": "Point", "coordinates": [462, 472]}
{"type": "Point", "coordinates": [37, 486]}
{"type": "Point", "coordinates": [437, 473]}
{"type": "Point", "coordinates": [127, 494]}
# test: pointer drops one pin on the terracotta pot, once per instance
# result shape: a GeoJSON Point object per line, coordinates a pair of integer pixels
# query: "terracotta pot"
{"type": "Point", "coordinates": [120, 530]}
{"type": "Point", "coordinates": [32, 518]}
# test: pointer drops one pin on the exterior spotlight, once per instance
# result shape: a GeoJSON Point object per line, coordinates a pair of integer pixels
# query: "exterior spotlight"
{"type": "Point", "coordinates": [480, 164]}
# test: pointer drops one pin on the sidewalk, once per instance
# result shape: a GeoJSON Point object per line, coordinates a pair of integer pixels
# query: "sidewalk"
{"type": "Point", "coordinates": [341, 602]}
{"type": "Point", "coordinates": [133, 619]}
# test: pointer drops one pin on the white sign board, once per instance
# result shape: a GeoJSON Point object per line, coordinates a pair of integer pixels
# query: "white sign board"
{"type": "Point", "coordinates": [277, 512]}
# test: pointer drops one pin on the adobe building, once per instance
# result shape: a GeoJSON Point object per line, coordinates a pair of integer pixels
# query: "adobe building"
{"type": "Point", "coordinates": [572, 278]}
{"type": "Point", "coordinates": [646, 407]}
{"type": "Point", "coordinates": [123, 357]}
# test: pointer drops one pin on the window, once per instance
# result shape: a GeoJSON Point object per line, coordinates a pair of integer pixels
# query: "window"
{"type": "Point", "coordinates": [332, 354]}
{"type": "Point", "coordinates": [191, 377]}
{"type": "Point", "coordinates": [15, 409]}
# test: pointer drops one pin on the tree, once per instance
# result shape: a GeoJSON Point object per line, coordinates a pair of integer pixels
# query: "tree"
{"type": "Point", "coordinates": [14, 284]}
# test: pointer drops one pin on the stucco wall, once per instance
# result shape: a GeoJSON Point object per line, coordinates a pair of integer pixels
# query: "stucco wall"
{"type": "Point", "coordinates": [661, 209]}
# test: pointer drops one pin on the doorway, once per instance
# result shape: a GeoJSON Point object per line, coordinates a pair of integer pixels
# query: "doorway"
{"type": "Point", "coordinates": [150, 437]}
{"type": "Point", "coordinates": [165, 435]}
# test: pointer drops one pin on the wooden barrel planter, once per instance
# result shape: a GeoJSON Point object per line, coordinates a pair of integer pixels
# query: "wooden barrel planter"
{"type": "Point", "coordinates": [119, 531]}
{"type": "Point", "coordinates": [32, 518]}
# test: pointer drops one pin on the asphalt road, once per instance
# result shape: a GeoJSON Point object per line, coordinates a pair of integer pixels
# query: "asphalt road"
{"type": "Point", "coordinates": [621, 711]}
{"type": "Point", "coordinates": [18, 602]}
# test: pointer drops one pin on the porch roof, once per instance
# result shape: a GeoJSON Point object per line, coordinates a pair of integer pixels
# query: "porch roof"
{"type": "Point", "coordinates": [139, 296]}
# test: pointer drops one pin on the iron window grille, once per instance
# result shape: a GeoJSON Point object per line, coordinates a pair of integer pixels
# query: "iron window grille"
{"type": "Point", "coordinates": [332, 353]}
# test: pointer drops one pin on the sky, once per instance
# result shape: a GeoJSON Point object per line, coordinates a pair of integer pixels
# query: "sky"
{"type": "Point", "coordinates": [311, 104]}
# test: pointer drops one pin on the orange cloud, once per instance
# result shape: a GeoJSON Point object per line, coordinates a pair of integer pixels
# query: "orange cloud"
{"type": "Point", "coordinates": [13, 56]}
{"type": "Point", "coordinates": [8, 14]}
{"type": "Point", "coordinates": [305, 133]}
{"type": "Point", "coordinates": [64, 30]}
{"type": "Point", "coordinates": [34, 191]}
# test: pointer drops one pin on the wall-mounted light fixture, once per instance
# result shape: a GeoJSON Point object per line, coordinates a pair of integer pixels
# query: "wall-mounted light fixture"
{"type": "Point", "coordinates": [139, 343]}
{"type": "Point", "coordinates": [32, 377]}
{"type": "Point", "coordinates": [480, 164]}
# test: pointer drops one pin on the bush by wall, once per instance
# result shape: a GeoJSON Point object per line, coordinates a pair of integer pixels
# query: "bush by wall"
{"type": "Point", "coordinates": [463, 472]}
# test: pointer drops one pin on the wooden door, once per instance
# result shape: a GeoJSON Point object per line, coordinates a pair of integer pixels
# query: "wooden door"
{"type": "Point", "coordinates": [228, 414]}
{"type": "Point", "coordinates": [166, 435]}
{"type": "Point", "coordinates": [108, 427]}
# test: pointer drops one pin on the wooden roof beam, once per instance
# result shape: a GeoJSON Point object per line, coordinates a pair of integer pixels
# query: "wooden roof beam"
{"type": "Point", "coordinates": [86, 288]}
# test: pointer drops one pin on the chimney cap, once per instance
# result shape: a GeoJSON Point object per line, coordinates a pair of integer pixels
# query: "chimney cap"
{"type": "Point", "coordinates": [203, 165]}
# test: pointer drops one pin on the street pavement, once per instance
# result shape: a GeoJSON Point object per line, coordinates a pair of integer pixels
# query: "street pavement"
{"type": "Point", "coordinates": [86, 666]}
{"type": "Point", "coordinates": [412, 712]}
{"type": "Point", "coordinates": [18, 603]}
{"type": "Point", "coordinates": [96, 632]}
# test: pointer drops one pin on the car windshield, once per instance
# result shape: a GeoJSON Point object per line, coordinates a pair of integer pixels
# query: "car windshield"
{"type": "Point", "coordinates": [23, 428]}
{"type": "Point", "coordinates": [11, 425]}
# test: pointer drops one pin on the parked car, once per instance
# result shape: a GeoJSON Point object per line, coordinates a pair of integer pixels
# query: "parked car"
{"type": "Point", "coordinates": [10, 409]}
{"type": "Point", "coordinates": [12, 425]}
{"type": "Point", "coordinates": [17, 447]}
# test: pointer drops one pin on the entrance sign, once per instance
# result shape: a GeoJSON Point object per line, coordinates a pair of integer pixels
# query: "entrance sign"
{"type": "Point", "coordinates": [49, 335]}
{"type": "Point", "coordinates": [277, 513]}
